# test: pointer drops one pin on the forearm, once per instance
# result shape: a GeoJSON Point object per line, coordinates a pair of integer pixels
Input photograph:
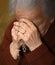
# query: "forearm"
{"type": "Point", "coordinates": [40, 55]}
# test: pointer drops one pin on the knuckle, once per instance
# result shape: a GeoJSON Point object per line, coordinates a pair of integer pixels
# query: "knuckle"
{"type": "Point", "coordinates": [27, 38]}
{"type": "Point", "coordinates": [34, 29]}
{"type": "Point", "coordinates": [15, 23]}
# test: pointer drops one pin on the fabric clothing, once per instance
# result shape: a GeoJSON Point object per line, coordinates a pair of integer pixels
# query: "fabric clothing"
{"type": "Point", "coordinates": [43, 55]}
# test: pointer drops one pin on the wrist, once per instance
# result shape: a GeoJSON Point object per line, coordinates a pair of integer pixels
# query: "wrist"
{"type": "Point", "coordinates": [36, 46]}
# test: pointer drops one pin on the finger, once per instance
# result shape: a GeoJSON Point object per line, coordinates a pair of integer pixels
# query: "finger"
{"type": "Point", "coordinates": [27, 32]}
{"type": "Point", "coordinates": [24, 36]}
{"type": "Point", "coordinates": [21, 35]}
{"type": "Point", "coordinates": [25, 27]}
{"type": "Point", "coordinates": [29, 23]}
{"type": "Point", "coordinates": [16, 28]}
{"type": "Point", "coordinates": [14, 34]}
{"type": "Point", "coordinates": [16, 23]}
{"type": "Point", "coordinates": [19, 29]}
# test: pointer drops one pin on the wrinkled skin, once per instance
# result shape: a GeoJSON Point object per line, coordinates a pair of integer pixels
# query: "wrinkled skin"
{"type": "Point", "coordinates": [27, 32]}
{"type": "Point", "coordinates": [24, 28]}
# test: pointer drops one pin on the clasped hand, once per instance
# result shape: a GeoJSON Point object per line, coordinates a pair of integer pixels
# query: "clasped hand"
{"type": "Point", "coordinates": [25, 30]}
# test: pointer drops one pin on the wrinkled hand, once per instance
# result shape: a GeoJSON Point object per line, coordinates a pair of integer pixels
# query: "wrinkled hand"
{"type": "Point", "coordinates": [27, 32]}
{"type": "Point", "coordinates": [14, 50]}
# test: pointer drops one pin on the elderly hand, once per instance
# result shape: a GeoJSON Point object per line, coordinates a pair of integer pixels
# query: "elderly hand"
{"type": "Point", "coordinates": [27, 32]}
{"type": "Point", "coordinates": [14, 51]}
{"type": "Point", "coordinates": [15, 44]}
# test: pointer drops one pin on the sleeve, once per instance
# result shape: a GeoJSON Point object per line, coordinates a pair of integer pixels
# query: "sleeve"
{"type": "Point", "coordinates": [5, 56]}
{"type": "Point", "coordinates": [40, 56]}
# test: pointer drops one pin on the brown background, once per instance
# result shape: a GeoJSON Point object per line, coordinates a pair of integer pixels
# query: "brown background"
{"type": "Point", "coordinates": [4, 17]}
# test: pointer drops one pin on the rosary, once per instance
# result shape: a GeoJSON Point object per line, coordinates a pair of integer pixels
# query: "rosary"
{"type": "Point", "coordinates": [22, 44]}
